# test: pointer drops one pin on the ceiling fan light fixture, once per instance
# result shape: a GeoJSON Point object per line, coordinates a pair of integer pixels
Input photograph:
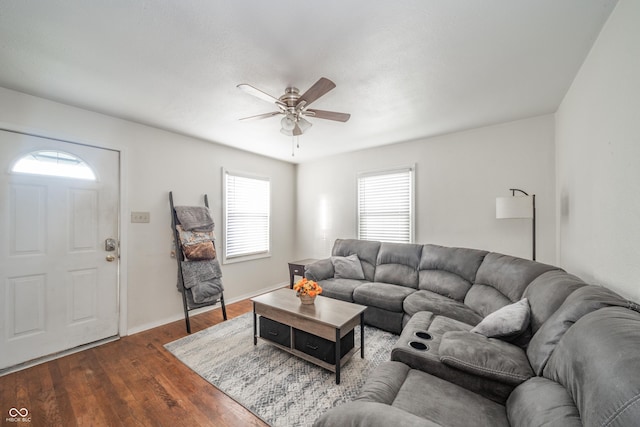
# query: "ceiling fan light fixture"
{"type": "Point", "coordinates": [286, 132]}
{"type": "Point", "coordinates": [304, 124]}
{"type": "Point", "coordinates": [287, 123]}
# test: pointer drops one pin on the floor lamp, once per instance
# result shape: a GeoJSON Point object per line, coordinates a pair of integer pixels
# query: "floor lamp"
{"type": "Point", "coordinates": [518, 207]}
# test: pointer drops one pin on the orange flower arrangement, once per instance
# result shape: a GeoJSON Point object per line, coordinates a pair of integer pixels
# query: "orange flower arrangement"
{"type": "Point", "coordinates": [307, 287]}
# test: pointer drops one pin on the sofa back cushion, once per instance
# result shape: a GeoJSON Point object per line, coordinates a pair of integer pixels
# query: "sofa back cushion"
{"type": "Point", "coordinates": [449, 272]}
{"type": "Point", "coordinates": [597, 362]}
{"type": "Point", "coordinates": [542, 402]}
{"type": "Point", "coordinates": [579, 303]}
{"type": "Point", "coordinates": [367, 252]}
{"type": "Point", "coordinates": [397, 263]}
{"type": "Point", "coordinates": [501, 280]}
{"type": "Point", "coordinates": [547, 293]}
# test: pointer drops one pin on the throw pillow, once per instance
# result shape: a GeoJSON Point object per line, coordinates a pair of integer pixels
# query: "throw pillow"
{"type": "Point", "coordinates": [348, 267]}
{"type": "Point", "coordinates": [509, 321]}
{"type": "Point", "coordinates": [199, 251]}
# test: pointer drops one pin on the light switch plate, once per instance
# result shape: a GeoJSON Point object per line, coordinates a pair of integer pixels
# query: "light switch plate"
{"type": "Point", "coordinates": [142, 217]}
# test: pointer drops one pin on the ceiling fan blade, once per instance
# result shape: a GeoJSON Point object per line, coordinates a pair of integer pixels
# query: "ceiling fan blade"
{"type": "Point", "coordinates": [329, 115]}
{"type": "Point", "coordinates": [320, 87]}
{"type": "Point", "coordinates": [261, 116]}
{"type": "Point", "coordinates": [259, 94]}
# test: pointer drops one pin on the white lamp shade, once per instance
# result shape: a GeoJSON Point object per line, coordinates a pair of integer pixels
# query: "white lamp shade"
{"type": "Point", "coordinates": [514, 207]}
{"type": "Point", "coordinates": [304, 124]}
{"type": "Point", "coordinates": [287, 123]}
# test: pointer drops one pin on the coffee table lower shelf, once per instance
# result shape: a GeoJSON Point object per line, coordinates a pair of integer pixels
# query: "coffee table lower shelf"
{"type": "Point", "coordinates": [333, 346]}
{"type": "Point", "coordinates": [302, 355]}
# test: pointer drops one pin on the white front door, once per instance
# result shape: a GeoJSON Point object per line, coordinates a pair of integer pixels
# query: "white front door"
{"type": "Point", "coordinates": [59, 284]}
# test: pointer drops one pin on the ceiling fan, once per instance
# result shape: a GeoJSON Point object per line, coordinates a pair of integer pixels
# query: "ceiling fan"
{"type": "Point", "coordinates": [294, 107]}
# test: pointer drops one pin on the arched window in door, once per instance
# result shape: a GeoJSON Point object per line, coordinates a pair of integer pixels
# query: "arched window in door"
{"type": "Point", "coordinates": [54, 163]}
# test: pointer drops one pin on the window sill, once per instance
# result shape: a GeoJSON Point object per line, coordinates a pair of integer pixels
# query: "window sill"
{"type": "Point", "coordinates": [243, 258]}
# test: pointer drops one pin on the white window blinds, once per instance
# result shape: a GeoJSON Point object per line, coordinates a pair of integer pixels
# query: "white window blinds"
{"type": "Point", "coordinates": [247, 210]}
{"type": "Point", "coordinates": [385, 206]}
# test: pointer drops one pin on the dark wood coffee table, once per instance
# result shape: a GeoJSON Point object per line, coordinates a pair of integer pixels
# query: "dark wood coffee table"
{"type": "Point", "coordinates": [308, 331]}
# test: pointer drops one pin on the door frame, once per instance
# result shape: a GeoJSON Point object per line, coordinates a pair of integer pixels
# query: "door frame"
{"type": "Point", "coordinates": [123, 208]}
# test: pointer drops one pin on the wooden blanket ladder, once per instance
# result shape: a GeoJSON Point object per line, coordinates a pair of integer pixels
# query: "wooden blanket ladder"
{"type": "Point", "coordinates": [187, 302]}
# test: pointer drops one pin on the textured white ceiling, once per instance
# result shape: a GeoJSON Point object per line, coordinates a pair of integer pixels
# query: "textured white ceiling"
{"type": "Point", "coordinates": [404, 70]}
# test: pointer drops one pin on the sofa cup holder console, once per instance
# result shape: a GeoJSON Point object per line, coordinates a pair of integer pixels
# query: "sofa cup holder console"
{"type": "Point", "coordinates": [418, 345]}
{"type": "Point", "coordinates": [423, 335]}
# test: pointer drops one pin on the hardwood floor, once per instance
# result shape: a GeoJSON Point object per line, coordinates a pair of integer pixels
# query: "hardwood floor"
{"type": "Point", "coordinates": [130, 382]}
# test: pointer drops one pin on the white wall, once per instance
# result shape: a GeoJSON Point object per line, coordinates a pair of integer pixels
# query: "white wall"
{"type": "Point", "coordinates": [155, 162]}
{"type": "Point", "coordinates": [598, 159]}
{"type": "Point", "coordinates": [458, 177]}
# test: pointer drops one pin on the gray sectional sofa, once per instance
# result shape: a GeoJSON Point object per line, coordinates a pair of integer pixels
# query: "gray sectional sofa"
{"type": "Point", "coordinates": [400, 280]}
{"type": "Point", "coordinates": [572, 358]}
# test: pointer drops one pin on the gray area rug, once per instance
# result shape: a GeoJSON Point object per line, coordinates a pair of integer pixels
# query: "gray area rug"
{"type": "Point", "coordinates": [276, 386]}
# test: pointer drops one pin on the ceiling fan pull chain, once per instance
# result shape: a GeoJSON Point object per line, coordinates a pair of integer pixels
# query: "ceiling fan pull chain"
{"type": "Point", "coordinates": [292, 146]}
{"type": "Point", "coordinates": [297, 141]}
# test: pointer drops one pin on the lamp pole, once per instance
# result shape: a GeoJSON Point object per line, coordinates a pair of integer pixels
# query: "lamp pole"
{"type": "Point", "coordinates": [513, 193]}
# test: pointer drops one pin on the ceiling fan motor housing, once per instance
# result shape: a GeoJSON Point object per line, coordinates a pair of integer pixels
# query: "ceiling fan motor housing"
{"type": "Point", "coordinates": [290, 97]}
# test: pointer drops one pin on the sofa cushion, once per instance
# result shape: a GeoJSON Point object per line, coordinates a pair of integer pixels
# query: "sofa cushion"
{"type": "Point", "coordinates": [485, 299]}
{"type": "Point", "coordinates": [597, 361]}
{"type": "Point", "coordinates": [435, 399]}
{"type": "Point", "coordinates": [375, 398]}
{"type": "Point", "coordinates": [485, 357]}
{"type": "Point", "coordinates": [382, 295]}
{"type": "Point", "coordinates": [369, 414]}
{"type": "Point", "coordinates": [397, 263]}
{"type": "Point", "coordinates": [542, 402]}
{"type": "Point", "coordinates": [424, 300]}
{"type": "Point", "coordinates": [547, 293]}
{"type": "Point", "coordinates": [366, 250]}
{"type": "Point", "coordinates": [442, 402]}
{"type": "Point", "coordinates": [347, 267]}
{"type": "Point", "coordinates": [340, 288]}
{"type": "Point", "coordinates": [507, 322]}
{"type": "Point", "coordinates": [444, 283]}
{"type": "Point", "coordinates": [501, 280]}
{"type": "Point", "coordinates": [582, 301]}
{"type": "Point", "coordinates": [460, 261]}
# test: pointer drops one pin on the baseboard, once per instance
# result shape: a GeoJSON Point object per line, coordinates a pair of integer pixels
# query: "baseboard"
{"type": "Point", "coordinates": [155, 324]}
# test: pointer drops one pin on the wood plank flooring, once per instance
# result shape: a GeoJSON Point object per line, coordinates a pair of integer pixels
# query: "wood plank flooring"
{"type": "Point", "coordinates": [130, 382]}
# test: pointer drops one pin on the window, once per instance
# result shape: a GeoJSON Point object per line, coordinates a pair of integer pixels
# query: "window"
{"type": "Point", "coordinates": [54, 163]}
{"type": "Point", "coordinates": [385, 205]}
{"type": "Point", "coordinates": [246, 216]}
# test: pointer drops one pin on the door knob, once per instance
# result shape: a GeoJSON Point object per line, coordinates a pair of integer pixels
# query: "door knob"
{"type": "Point", "coordinates": [111, 258]}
